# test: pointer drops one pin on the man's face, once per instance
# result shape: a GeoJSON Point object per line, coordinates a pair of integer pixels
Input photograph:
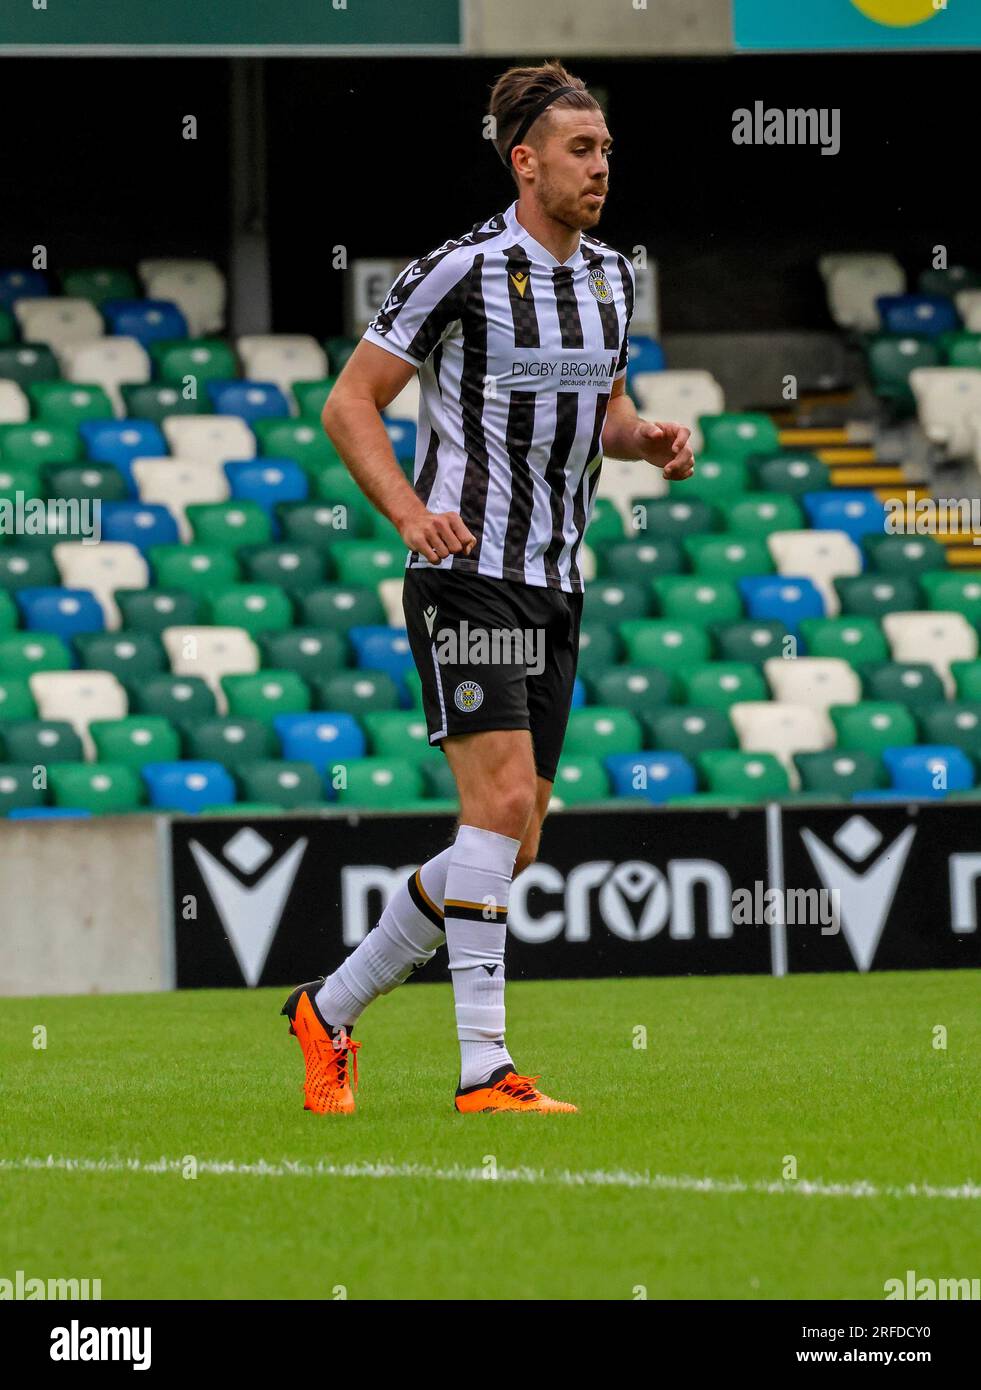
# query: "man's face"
{"type": "Point", "coordinates": [572, 167]}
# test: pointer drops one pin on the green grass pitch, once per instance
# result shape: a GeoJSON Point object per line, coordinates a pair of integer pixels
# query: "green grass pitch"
{"type": "Point", "coordinates": [840, 1071]}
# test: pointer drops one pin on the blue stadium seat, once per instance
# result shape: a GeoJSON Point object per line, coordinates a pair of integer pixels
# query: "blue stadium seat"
{"type": "Point", "coordinates": [49, 813]}
{"type": "Point", "coordinates": [402, 436]}
{"type": "Point", "coordinates": [788, 598]}
{"type": "Point", "coordinates": [578, 694]}
{"type": "Point", "coordinates": [646, 354]}
{"type": "Point", "coordinates": [926, 314]}
{"type": "Point", "coordinates": [865, 798]}
{"type": "Point", "coordinates": [146, 320]}
{"type": "Point", "coordinates": [143, 524]}
{"type": "Point", "coordinates": [188, 786]}
{"type": "Point", "coordinates": [913, 770]}
{"type": "Point", "coordinates": [654, 776]}
{"type": "Point", "coordinates": [65, 612]}
{"type": "Point", "coordinates": [268, 482]}
{"type": "Point", "coordinates": [320, 739]}
{"type": "Point", "coordinates": [22, 284]}
{"type": "Point", "coordinates": [858, 514]}
{"type": "Point", "coordinates": [384, 649]}
{"type": "Point", "coordinates": [119, 442]}
{"type": "Point", "coordinates": [251, 400]}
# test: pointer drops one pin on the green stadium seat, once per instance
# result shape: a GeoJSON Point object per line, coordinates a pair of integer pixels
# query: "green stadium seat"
{"type": "Point", "coordinates": [613, 600]}
{"type": "Point", "coordinates": [368, 562]}
{"type": "Point", "coordinates": [175, 697]}
{"type": "Point", "coordinates": [414, 686]}
{"type": "Point", "coordinates": [253, 607]}
{"type": "Point", "coordinates": [336, 486]}
{"type": "Point", "coordinates": [40, 741]}
{"type": "Point", "coordinates": [381, 783]}
{"type": "Point", "coordinates": [24, 653]}
{"type": "Point", "coordinates": [690, 730]}
{"type": "Point", "coordinates": [128, 655]}
{"type": "Point", "coordinates": [967, 679]}
{"type": "Point", "coordinates": [759, 513]}
{"type": "Point", "coordinates": [963, 349]}
{"type": "Point", "coordinates": [639, 560]}
{"type": "Point", "coordinates": [312, 652]}
{"type": "Point", "coordinates": [33, 445]}
{"type": "Point", "coordinates": [673, 518]}
{"type": "Point", "coordinates": [8, 328]}
{"type": "Point", "coordinates": [951, 592]}
{"type": "Point", "coordinates": [153, 610]}
{"type": "Point", "coordinates": [341, 606]}
{"type": "Point", "coordinates": [338, 350]}
{"type": "Point", "coordinates": [304, 441]}
{"type": "Point", "coordinates": [203, 359]}
{"type": "Point", "coordinates": [86, 480]}
{"type": "Point", "coordinates": [728, 557]}
{"type": "Point", "coordinates": [639, 689]}
{"type": "Point", "coordinates": [135, 740]}
{"type": "Point", "coordinates": [911, 683]}
{"type": "Point", "coordinates": [793, 474]}
{"type": "Point", "coordinates": [289, 785]}
{"type": "Point", "coordinates": [229, 525]}
{"type": "Point", "coordinates": [16, 700]}
{"type": "Point", "coordinates": [311, 396]}
{"type": "Point", "coordinates": [295, 568]}
{"type": "Point", "coordinates": [875, 595]}
{"type": "Point", "coordinates": [264, 694]}
{"type": "Point", "coordinates": [17, 787]}
{"type": "Point", "coordinates": [747, 776]}
{"type": "Point", "coordinates": [854, 639]}
{"type": "Point", "coordinates": [68, 402]}
{"type": "Point", "coordinates": [580, 780]}
{"type": "Point", "coordinates": [398, 734]}
{"type": "Point", "coordinates": [321, 526]}
{"type": "Point", "coordinates": [690, 598]}
{"type": "Point", "coordinates": [193, 569]}
{"type": "Point", "coordinates": [27, 363]}
{"type": "Point", "coordinates": [734, 435]}
{"type": "Point", "coordinates": [840, 772]}
{"type": "Point", "coordinates": [155, 401]}
{"type": "Point", "coordinates": [909, 555]}
{"type": "Point", "coordinates": [601, 729]}
{"type": "Point", "coordinates": [17, 480]}
{"type": "Point", "coordinates": [439, 779]}
{"type": "Point", "coordinates": [715, 480]}
{"type": "Point", "coordinates": [752, 640]}
{"type": "Point", "coordinates": [99, 284]}
{"type": "Point", "coordinates": [27, 569]}
{"type": "Point", "coordinates": [720, 684]}
{"type": "Point", "coordinates": [873, 725]}
{"type": "Point", "coordinates": [672, 646]}
{"type": "Point", "coordinates": [228, 740]}
{"type": "Point", "coordinates": [955, 723]}
{"type": "Point", "coordinates": [103, 788]}
{"type": "Point", "coordinates": [599, 648]}
{"type": "Point", "coordinates": [891, 358]}
{"type": "Point", "coordinates": [8, 613]}
{"type": "Point", "coordinates": [605, 526]}
{"type": "Point", "coordinates": [355, 692]}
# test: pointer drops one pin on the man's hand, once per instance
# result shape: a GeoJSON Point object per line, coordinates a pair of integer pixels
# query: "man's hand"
{"type": "Point", "coordinates": [436, 535]}
{"type": "Point", "coordinates": [666, 444]}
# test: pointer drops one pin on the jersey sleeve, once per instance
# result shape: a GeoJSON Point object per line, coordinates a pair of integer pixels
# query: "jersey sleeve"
{"type": "Point", "coordinates": [423, 303]}
{"type": "Point", "coordinates": [629, 281]}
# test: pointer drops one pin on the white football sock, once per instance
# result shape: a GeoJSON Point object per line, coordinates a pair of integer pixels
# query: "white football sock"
{"type": "Point", "coordinates": [475, 911]}
{"type": "Point", "coordinates": [409, 933]}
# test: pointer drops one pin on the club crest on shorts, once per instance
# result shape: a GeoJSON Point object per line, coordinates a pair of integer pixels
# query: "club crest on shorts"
{"type": "Point", "coordinates": [599, 286]}
{"type": "Point", "coordinates": [468, 696]}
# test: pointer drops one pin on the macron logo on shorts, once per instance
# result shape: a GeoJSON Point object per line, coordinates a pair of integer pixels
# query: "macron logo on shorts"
{"type": "Point", "coordinates": [430, 616]}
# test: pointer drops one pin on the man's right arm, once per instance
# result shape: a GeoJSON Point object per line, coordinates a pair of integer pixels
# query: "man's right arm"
{"type": "Point", "coordinates": [370, 381]}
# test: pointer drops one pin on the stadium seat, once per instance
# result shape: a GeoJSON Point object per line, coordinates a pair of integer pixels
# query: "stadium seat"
{"type": "Point", "coordinates": [78, 697]}
{"type": "Point", "coordinates": [908, 556]}
{"type": "Point", "coordinates": [822, 556]}
{"type": "Point", "coordinates": [690, 598]}
{"type": "Point", "coordinates": [606, 524]}
{"type": "Point", "coordinates": [967, 677]}
{"type": "Point", "coordinates": [217, 654]}
{"type": "Point", "coordinates": [18, 284]}
{"type": "Point", "coordinates": [855, 513]}
{"type": "Point", "coordinates": [254, 608]}
{"type": "Point", "coordinates": [654, 776]}
{"type": "Point", "coordinates": [313, 653]}
{"type": "Point", "coordinates": [689, 729]}
{"type": "Point", "coordinates": [267, 482]}
{"type": "Point", "coordinates": [99, 283]}
{"type": "Point", "coordinates": [229, 740]}
{"type": "Point", "coordinates": [302, 441]}
{"type": "Point", "coordinates": [718, 481]}
{"type": "Point", "coordinates": [177, 698]}
{"type": "Point", "coordinates": [968, 304]}
{"type": "Point", "coordinates": [671, 646]}
{"type": "Point", "coordinates": [736, 436]}
{"type": "Point", "coordinates": [631, 561]}
{"type": "Point", "coordinates": [855, 640]}
{"type": "Point", "coordinates": [140, 524]}
{"type": "Point", "coordinates": [57, 321]}
{"type": "Point", "coordinates": [955, 723]}
{"type": "Point", "coordinates": [33, 445]}
{"type": "Point", "coordinates": [578, 781]}
{"type": "Point", "coordinates": [197, 360]}
{"type": "Point", "coordinates": [178, 484]}
{"type": "Point", "coordinates": [929, 770]}
{"type": "Point", "coordinates": [158, 403]}
{"type": "Point", "coordinates": [209, 438]}
{"type": "Point", "coordinates": [601, 729]}
{"type": "Point", "coordinates": [891, 358]}
{"type": "Point", "coordinates": [935, 638]}
{"type": "Point", "coordinates": [289, 785]}
{"type": "Point", "coordinates": [683, 396]}
{"type": "Point", "coordinates": [815, 681]}
{"type": "Point", "coordinates": [773, 726]}
{"type": "Point", "coordinates": [65, 612]}
{"type": "Point", "coordinates": [854, 282]}
{"type": "Point", "coordinates": [839, 772]}
{"type": "Point", "coordinates": [282, 358]}
{"type": "Point", "coordinates": [84, 482]}
{"type": "Point", "coordinates": [229, 524]}
{"type": "Point", "coordinates": [946, 399]}
{"type": "Point", "coordinates": [721, 684]}
{"type": "Point", "coordinates": [355, 692]}
{"type": "Point", "coordinates": [382, 783]}
{"type": "Point", "coordinates": [793, 475]}
{"type": "Point", "coordinates": [367, 562]}
{"type": "Point", "coordinates": [311, 397]}
{"type": "Point", "coordinates": [196, 287]}
{"type": "Point", "coordinates": [759, 513]}
{"type": "Point", "coordinates": [341, 606]}
{"type": "Point", "coordinates": [18, 789]}
{"type": "Point", "coordinates": [874, 595]}
{"type": "Point", "coordinates": [24, 363]}
{"type": "Point", "coordinates": [613, 601]}
{"type": "Point", "coordinates": [783, 599]}
{"type": "Point", "coordinates": [399, 734]}
{"type": "Point", "coordinates": [249, 400]}
{"type": "Point", "coordinates": [23, 653]}
{"type": "Point", "coordinates": [128, 655]}
{"type": "Point", "coordinates": [947, 280]}
{"type": "Point", "coordinates": [645, 354]}
{"type": "Point", "coordinates": [382, 649]}
{"type": "Point", "coordinates": [926, 314]}
{"type": "Point", "coordinates": [101, 569]}
{"type": "Point", "coordinates": [753, 641]}
{"type": "Point", "coordinates": [135, 740]}
{"type": "Point", "coordinates": [65, 403]}
{"type": "Point", "coordinates": [390, 593]}
{"type": "Point", "coordinates": [746, 777]}
{"type": "Point", "coordinates": [637, 689]}
{"type": "Point", "coordinates": [187, 786]}
{"type": "Point", "coordinates": [146, 320]}
{"type": "Point", "coordinates": [40, 741]}
{"type": "Point", "coordinates": [112, 365]}
{"type": "Point", "coordinates": [953, 593]}
{"type": "Point", "coordinates": [15, 408]}
{"type": "Point", "coordinates": [913, 684]}
{"type": "Point", "coordinates": [263, 694]}
{"type": "Point", "coordinates": [963, 349]}
{"type": "Point", "coordinates": [625, 481]}
{"type": "Point", "coordinates": [872, 725]}
{"type": "Point", "coordinates": [728, 557]}
{"type": "Point", "coordinates": [194, 571]}
{"type": "Point", "coordinates": [295, 568]}
{"type": "Point", "coordinates": [109, 788]}
{"type": "Point", "coordinates": [16, 700]}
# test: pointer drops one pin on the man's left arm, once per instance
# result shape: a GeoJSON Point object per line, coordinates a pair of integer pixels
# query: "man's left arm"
{"type": "Point", "coordinates": [661, 442]}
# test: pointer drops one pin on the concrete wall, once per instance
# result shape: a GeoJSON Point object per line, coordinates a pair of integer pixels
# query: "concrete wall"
{"type": "Point", "coordinates": [81, 907]}
{"type": "Point", "coordinates": [626, 28]}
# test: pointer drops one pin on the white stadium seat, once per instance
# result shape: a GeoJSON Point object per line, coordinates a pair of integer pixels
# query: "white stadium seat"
{"type": "Point", "coordinates": [79, 697]}
{"type": "Point", "coordinates": [969, 307]}
{"type": "Point", "coordinates": [390, 593]}
{"type": "Point", "coordinates": [815, 681]}
{"type": "Point", "coordinates": [681, 396]}
{"type": "Point", "coordinates": [282, 358]}
{"type": "Point", "coordinates": [108, 362]}
{"type": "Point", "coordinates": [783, 729]}
{"type": "Point", "coordinates": [211, 652]}
{"type": "Point", "coordinates": [936, 639]}
{"type": "Point", "coordinates": [406, 404]}
{"type": "Point", "coordinates": [821, 556]}
{"type": "Point", "coordinates": [102, 568]}
{"type": "Point", "coordinates": [58, 321]}
{"type": "Point", "coordinates": [178, 484]}
{"type": "Point", "coordinates": [623, 481]}
{"type": "Point", "coordinates": [854, 282]}
{"type": "Point", "coordinates": [196, 287]}
{"type": "Point", "coordinates": [15, 408]}
{"type": "Point", "coordinates": [209, 438]}
{"type": "Point", "coordinates": [946, 400]}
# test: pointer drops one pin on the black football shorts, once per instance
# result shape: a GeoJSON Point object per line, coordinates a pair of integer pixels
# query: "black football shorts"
{"type": "Point", "coordinates": [493, 654]}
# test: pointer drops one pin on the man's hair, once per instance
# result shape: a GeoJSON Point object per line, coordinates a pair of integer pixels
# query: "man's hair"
{"type": "Point", "coordinates": [517, 91]}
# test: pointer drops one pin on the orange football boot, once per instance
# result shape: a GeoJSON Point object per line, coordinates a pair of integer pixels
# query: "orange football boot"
{"type": "Point", "coordinates": [505, 1090]}
{"type": "Point", "coordinates": [327, 1088]}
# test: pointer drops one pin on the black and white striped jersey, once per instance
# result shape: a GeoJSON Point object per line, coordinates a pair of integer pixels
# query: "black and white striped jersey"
{"type": "Point", "coordinates": [517, 353]}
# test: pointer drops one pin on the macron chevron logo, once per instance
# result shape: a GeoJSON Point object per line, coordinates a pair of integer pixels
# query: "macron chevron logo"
{"type": "Point", "coordinates": [250, 916]}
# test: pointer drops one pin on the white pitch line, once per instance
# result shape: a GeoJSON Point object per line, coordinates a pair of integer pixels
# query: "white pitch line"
{"type": "Point", "coordinates": [600, 1177]}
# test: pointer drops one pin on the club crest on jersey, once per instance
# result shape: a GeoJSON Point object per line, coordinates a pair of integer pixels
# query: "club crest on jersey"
{"type": "Point", "coordinates": [519, 279]}
{"type": "Point", "coordinates": [599, 286]}
{"type": "Point", "coordinates": [468, 696]}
